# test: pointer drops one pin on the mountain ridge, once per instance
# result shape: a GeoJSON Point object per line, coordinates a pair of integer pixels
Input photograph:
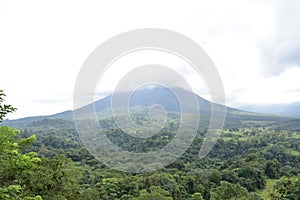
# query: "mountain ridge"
{"type": "Point", "coordinates": [140, 102]}
{"type": "Point", "coordinates": [286, 109]}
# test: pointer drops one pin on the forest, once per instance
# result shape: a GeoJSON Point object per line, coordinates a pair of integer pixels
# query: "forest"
{"type": "Point", "coordinates": [253, 160]}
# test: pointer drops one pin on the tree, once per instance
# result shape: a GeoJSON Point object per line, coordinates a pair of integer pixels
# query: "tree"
{"type": "Point", "coordinates": [286, 188]}
{"type": "Point", "coordinates": [273, 168]}
{"type": "Point", "coordinates": [155, 193]}
{"type": "Point", "coordinates": [54, 178]}
{"type": "Point", "coordinates": [4, 109]}
{"type": "Point", "coordinates": [13, 163]}
{"type": "Point", "coordinates": [228, 191]}
{"type": "Point", "coordinates": [90, 194]}
{"type": "Point", "coordinates": [251, 178]}
{"type": "Point", "coordinates": [109, 188]}
{"type": "Point", "coordinates": [197, 196]}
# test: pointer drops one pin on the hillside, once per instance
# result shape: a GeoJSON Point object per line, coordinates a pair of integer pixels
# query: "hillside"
{"type": "Point", "coordinates": [142, 100]}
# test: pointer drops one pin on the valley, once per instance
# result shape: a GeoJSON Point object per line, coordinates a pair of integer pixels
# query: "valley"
{"type": "Point", "coordinates": [256, 157]}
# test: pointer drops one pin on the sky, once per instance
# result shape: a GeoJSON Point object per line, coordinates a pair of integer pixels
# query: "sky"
{"type": "Point", "coordinates": [254, 44]}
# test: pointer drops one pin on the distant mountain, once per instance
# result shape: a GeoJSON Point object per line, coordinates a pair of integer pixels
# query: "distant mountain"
{"type": "Point", "coordinates": [292, 109]}
{"type": "Point", "coordinates": [140, 102]}
{"type": "Point", "coordinates": [147, 97]}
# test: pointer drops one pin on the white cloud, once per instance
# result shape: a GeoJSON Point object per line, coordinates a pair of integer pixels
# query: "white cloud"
{"type": "Point", "coordinates": [43, 45]}
{"type": "Point", "coordinates": [284, 88]}
{"type": "Point", "coordinates": [280, 49]}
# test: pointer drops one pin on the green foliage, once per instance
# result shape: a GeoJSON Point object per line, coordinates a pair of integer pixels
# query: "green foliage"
{"type": "Point", "coordinates": [13, 163]}
{"type": "Point", "coordinates": [53, 177]}
{"type": "Point", "coordinates": [156, 193]}
{"type": "Point", "coordinates": [4, 108]}
{"type": "Point", "coordinates": [90, 194]}
{"type": "Point", "coordinates": [286, 188]}
{"type": "Point", "coordinates": [23, 175]}
{"type": "Point", "coordinates": [228, 191]}
{"type": "Point", "coordinates": [243, 163]}
{"type": "Point", "coordinates": [272, 168]}
{"type": "Point", "coordinates": [9, 192]}
{"type": "Point", "coordinates": [197, 196]}
{"type": "Point", "coordinates": [251, 178]}
{"type": "Point", "coordinates": [109, 188]}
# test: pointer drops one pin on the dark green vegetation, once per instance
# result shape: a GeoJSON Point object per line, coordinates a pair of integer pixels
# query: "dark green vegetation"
{"type": "Point", "coordinates": [256, 157]}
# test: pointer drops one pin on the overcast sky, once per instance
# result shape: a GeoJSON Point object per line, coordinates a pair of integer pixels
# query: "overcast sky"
{"type": "Point", "coordinates": [255, 45]}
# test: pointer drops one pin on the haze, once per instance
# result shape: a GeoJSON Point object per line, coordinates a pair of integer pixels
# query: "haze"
{"type": "Point", "coordinates": [254, 44]}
